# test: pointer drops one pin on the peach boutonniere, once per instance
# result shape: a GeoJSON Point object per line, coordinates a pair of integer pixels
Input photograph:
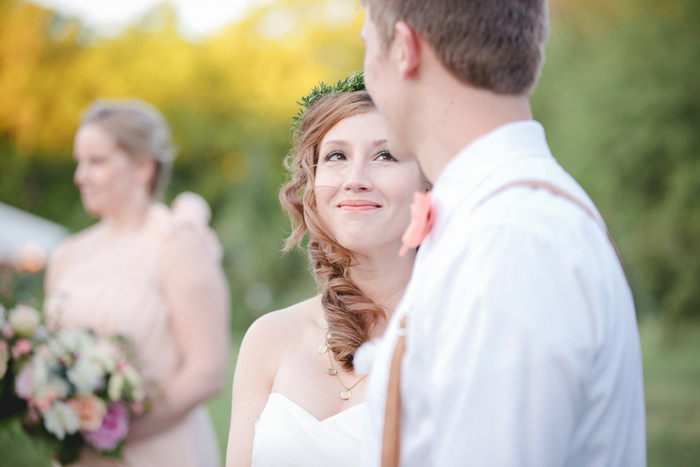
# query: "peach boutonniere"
{"type": "Point", "coordinates": [421, 221]}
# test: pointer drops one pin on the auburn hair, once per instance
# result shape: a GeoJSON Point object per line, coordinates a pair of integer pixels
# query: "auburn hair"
{"type": "Point", "coordinates": [350, 314]}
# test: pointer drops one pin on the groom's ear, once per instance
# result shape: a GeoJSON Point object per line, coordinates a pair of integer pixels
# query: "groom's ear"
{"type": "Point", "coordinates": [409, 49]}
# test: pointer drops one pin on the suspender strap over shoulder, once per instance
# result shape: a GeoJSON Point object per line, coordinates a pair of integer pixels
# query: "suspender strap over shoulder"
{"type": "Point", "coordinates": [391, 434]}
{"type": "Point", "coordinates": [559, 192]}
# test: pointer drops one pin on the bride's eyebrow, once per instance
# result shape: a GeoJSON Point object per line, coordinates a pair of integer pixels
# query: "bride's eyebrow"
{"type": "Point", "coordinates": [379, 142]}
{"type": "Point", "coordinates": [336, 142]}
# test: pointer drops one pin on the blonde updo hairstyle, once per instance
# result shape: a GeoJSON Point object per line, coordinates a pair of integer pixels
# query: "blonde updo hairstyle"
{"type": "Point", "coordinates": [140, 130]}
{"type": "Point", "coordinates": [350, 314]}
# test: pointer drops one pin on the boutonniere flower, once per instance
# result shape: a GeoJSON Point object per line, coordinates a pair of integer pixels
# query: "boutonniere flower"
{"type": "Point", "coordinates": [421, 222]}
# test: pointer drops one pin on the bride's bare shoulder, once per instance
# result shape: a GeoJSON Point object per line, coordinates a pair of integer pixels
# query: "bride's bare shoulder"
{"type": "Point", "coordinates": [279, 331]}
{"type": "Point", "coordinates": [294, 320]}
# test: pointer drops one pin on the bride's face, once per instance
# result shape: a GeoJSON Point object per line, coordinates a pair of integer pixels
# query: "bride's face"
{"type": "Point", "coordinates": [363, 192]}
{"type": "Point", "coordinates": [107, 177]}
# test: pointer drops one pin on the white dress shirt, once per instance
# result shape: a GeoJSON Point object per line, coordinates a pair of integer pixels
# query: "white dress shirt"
{"type": "Point", "coordinates": [522, 346]}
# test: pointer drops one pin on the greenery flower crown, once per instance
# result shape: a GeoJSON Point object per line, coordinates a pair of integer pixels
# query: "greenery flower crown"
{"type": "Point", "coordinates": [354, 82]}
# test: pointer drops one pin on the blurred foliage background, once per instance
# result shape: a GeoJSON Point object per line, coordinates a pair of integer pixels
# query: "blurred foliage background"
{"type": "Point", "coordinates": [618, 96]}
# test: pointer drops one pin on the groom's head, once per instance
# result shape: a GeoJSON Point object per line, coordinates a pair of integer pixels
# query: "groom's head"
{"type": "Point", "coordinates": [496, 45]}
{"type": "Point", "coordinates": [423, 58]}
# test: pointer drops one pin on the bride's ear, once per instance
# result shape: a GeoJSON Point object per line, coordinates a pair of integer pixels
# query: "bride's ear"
{"type": "Point", "coordinates": [409, 49]}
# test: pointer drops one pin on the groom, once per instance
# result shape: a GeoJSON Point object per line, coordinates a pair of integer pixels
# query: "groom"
{"type": "Point", "coordinates": [519, 329]}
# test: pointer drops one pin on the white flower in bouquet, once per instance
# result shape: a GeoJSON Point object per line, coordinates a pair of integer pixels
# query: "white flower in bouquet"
{"type": "Point", "coordinates": [130, 374]}
{"type": "Point", "coordinates": [70, 342]}
{"type": "Point", "coordinates": [115, 387]}
{"type": "Point", "coordinates": [86, 376]}
{"type": "Point", "coordinates": [25, 320]}
{"type": "Point", "coordinates": [60, 420]}
{"type": "Point", "coordinates": [24, 382]}
{"type": "Point", "coordinates": [58, 387]}
{"type": "Point", "coordinates": [104, 354]}
{"type": "Point", "coordinates": [40, 366]}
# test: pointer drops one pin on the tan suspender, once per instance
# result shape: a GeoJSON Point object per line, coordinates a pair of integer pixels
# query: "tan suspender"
{"type": "Point", "coordinates": [391, 435]}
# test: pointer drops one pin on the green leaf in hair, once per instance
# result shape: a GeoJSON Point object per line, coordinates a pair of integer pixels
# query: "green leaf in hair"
{"type": "Point", "coordinates": [352, 83]}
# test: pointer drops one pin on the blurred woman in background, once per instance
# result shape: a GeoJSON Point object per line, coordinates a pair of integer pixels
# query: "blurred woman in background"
{"type": "Point", "coordinates": [147, 272]}
{"type": "Point", "coordinates": [297, 399]}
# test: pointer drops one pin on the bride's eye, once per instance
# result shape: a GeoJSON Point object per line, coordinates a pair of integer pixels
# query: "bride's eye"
{"type": "Point", "coordinates": [384, 156]}
{"type": "Point", "coordinates": [335, 156]}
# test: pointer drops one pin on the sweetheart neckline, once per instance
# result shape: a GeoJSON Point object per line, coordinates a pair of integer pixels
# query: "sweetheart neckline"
{"type": "Point", "coordinates": [342, 412]}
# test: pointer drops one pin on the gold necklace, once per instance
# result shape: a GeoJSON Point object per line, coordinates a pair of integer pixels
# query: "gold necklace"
{"type": "Point", "coordinates": [347, 393]}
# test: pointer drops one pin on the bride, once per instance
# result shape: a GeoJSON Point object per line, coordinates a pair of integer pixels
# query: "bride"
{"type": "Point", "coordinates": [297, 400]}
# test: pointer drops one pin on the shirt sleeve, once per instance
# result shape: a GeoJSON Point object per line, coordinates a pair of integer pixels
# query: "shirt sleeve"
{"type": "Point", "coordinates": [501, 345]}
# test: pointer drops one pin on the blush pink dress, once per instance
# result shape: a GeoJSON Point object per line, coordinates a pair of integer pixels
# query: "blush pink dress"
{"type": "Point", "coordinates": [118, 290]}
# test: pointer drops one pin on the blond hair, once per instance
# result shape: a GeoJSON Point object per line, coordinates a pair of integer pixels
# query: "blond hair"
{"type": "Point", "coordinates": [139, 129]}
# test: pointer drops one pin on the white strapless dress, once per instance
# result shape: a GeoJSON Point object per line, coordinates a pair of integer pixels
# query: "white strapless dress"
{"type": "Point", "coordinates": [287, 435]}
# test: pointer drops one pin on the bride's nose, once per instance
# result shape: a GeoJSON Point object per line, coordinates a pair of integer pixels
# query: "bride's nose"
{"type": "Point", "coordinates": [358, 178]}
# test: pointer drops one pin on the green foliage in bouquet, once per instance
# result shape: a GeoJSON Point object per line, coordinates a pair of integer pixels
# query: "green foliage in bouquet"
{"type": "Point", "coordinates": [18, 448]}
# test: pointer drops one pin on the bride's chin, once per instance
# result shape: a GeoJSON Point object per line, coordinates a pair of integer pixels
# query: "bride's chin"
{"type": "Point", "coordinates": [369, 250]}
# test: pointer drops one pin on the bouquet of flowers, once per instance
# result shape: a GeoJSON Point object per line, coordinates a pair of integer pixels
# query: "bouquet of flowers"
{"type": "Point", "coordinates": [75, 387]}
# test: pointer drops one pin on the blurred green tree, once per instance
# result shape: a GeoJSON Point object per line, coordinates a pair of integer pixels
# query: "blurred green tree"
{"type": "Point", "coordinates": [618, 97]}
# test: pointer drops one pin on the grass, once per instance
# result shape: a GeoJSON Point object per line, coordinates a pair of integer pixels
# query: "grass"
{"type": "Point", "coordinates": [672, 392]}
{"type": "Point", "coordinates": [671, 384]}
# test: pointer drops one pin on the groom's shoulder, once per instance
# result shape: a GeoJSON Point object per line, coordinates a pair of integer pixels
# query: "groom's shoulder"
{"type": "Point", "coordinates": [536, 211]}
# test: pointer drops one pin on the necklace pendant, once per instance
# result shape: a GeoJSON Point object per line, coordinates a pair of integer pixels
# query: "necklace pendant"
{"type": "Point", "coordinates": [332, 371]}
{"type": "Point", "coordinates": [345, 395]}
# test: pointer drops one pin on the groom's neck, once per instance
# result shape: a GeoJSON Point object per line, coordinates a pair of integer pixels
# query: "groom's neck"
{"type": "Point", "coordinates": [457, 115]}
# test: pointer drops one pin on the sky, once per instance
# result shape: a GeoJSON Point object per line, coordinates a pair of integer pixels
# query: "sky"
{"type": "Point", "coordinates": [198, 17]}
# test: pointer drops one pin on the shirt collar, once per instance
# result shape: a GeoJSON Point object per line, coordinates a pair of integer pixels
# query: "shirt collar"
{"type": "Point", "coordinates": [483, 157]}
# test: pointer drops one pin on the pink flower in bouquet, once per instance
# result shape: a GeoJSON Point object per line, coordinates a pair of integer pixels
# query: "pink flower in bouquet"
{"type": "Point", "coordinates": [137, 407]}
{"type": "Point", "coordinates": [22, 347]}
{"type": "Point", "coordinates": [24, 382]}
{"type": "Point", "coordinates": [114, 428]}
{"type": "Point", "coordinates": [44, 403]}
{"type": "Point", "coordinates": [7, 331]}
{"type": "Point", "coordinates": [91, 411]}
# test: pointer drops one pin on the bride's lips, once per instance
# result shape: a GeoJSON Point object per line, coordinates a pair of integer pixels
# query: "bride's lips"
{"type": "Point", "coordinates": [358, 205]}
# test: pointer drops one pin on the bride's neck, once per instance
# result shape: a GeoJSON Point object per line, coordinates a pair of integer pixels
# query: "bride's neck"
{"type": "Point", "coordinates": [383, 281]}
